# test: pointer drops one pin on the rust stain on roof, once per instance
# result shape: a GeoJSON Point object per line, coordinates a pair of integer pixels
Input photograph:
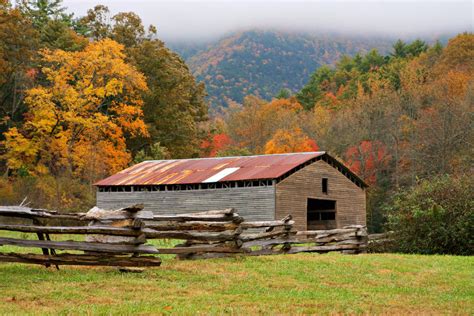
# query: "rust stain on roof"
{"type": "Point", "coordinates": [192, 171]}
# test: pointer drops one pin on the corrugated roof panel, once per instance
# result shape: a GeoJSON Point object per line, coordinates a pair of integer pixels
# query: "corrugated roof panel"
{"type": "Point", "coordinates": [191, 171]}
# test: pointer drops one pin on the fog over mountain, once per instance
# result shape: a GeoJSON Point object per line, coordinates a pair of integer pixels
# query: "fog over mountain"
{"type": "Point", "coordinates": [201, 20]}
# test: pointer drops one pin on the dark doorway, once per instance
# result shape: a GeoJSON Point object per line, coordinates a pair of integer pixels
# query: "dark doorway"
{"type": "Point", "coordinates": [321, 214]}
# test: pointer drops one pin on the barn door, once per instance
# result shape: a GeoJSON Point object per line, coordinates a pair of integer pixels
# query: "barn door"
{"type": "Point", "coordinates": [321, 214]}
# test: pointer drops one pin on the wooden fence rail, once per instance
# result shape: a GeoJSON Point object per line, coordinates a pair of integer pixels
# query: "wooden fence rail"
{"type": "Point", "coordinates": [100, 249]}
{"type": "Point", "coordinates": [119, 237]}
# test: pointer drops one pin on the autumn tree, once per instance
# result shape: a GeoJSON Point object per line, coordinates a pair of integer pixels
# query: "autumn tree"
{"type": "Point", "coordinates": [367, 159]}
{"type": "Point", "coordinates": [290, 141]}
{"type": "Point", "coordinates": [96, 23]}
{"type": "Point", "coordinates": [254, 123]}
{"type": "Point", "coordinates": [174, 107]}
{"type": "Point", "coordinates": [18, 46]}
{"type": "Point", "coordinates": [77, 122]}
{"type": "Point", "coordinates": [218, 143]}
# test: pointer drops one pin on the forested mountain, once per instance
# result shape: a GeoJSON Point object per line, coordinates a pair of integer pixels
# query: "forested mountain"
{"type": "Point", "coordinates": [264, 62]}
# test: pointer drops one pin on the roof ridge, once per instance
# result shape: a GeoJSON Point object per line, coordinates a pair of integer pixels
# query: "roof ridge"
{"type": "Point", "coordinates": [250, 156]}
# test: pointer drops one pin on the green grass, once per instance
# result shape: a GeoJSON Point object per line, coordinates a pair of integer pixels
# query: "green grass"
{"type": "Point", "coordinates": [291, 284]}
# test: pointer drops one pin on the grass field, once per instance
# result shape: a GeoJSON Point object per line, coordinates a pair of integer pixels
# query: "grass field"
{"type": "Point", "coordinates": [291, 284]}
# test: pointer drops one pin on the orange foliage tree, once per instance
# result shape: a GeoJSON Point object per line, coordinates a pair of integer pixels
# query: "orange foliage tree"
{"type": "Point", "coordinates": [255, 123]}
{"type": "Point", "coordinates": [79, 117]}
{"type": "Point", "coordinates": [289, 141]}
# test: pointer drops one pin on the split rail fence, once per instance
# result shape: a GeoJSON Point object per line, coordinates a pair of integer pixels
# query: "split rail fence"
{"type": "Point", "coordinates": [120, 237]}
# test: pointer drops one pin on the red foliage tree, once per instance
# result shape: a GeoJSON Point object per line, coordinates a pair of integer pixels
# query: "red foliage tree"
{"type": "Point", "coordinates": [367, 159]}
{"type": "Point", "coordinates": [216, 143]}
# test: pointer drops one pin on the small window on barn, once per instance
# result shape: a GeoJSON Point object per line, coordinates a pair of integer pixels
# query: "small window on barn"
{"type": "Point", "coordinates": [324, 185]}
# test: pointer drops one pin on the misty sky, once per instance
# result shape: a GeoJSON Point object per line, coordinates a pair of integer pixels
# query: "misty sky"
{"type": "Point", "coordinates": [202, 20]}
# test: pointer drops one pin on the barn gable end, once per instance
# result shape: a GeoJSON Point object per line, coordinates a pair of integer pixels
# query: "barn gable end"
{"type": "Point", "coordinates": [293, 192]}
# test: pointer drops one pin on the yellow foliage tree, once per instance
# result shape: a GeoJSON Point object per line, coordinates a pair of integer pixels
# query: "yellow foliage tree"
{"type": "Point", "coordinates": [79, 117]}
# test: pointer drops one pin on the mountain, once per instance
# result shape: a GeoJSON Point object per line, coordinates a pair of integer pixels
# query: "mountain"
{"type": "Point", "coordinates": [264, 62]}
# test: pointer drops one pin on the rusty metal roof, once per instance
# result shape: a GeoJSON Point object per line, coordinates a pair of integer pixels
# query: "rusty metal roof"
{"type": "Point", "coordinates": [209, 170]}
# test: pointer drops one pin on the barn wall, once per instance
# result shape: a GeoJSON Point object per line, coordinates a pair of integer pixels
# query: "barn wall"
{"type": "Point", "coordinates": [253, 203]}
{"type": "Point", "coordinates": [292, 194]}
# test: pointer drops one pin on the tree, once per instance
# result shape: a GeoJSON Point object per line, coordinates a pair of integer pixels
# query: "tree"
{"type": "Point", "coordinates": [399, 49]}
{"type": "Point", "coordinates": [77, 122]}
{"type": "Point", "coordinates": [55, 27]}
{"type": "Point", "coordinates": [127, 29]}
{"type": "Point", "coordinates": [218, 144]}
{"type": "Point", "coordinates": [434, 217]}
{"type": "Point", "coordinates": [42, 11]}
{"type": "Point", "coordinates": [18, 46]}
{"type": "Point", "coordinates": [367, 159]}
{"type": "Point", "coordinates": [415, 48]}
{"type": "Point", "coordinates": [283, 94]}
{"type": "Point", "coordinates": [174, 108]}
{"type": "Point", "coordinates": [459, 54]}
{"type": "Point", "coordinates": [314, 89]}
{"type": "Point", "coordinates": [254, 123]}
{"type": "Point", "coordinates": [153, 152]}
{"type": "Point", "coordinates": [97, 23]}
{"type": "Point", "coordinates": [290, 141]}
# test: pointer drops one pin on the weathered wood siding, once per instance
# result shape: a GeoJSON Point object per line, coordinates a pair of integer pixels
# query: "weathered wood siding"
{"type": "Point", "coordinates": [292, 194]}
{"type": "Point", "coordinates": [253, 203]}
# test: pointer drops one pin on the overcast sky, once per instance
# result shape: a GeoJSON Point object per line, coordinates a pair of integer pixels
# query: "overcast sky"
{"type": "Point", "coordinates": [204, 19]}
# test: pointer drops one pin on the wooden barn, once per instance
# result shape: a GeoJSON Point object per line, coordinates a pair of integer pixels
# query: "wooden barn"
{"type": "Point", "coordinates": [316, 189]}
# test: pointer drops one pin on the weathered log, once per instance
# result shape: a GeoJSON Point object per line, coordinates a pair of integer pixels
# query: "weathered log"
{"type": "Point", "coordinates": [314, 233]}
{"type": "Point", "coordinates": [205, 236]}
{"type": "Point", "coordinates": [98, 214]}
{"type": "Point", "coordinates": [327, 239]}
{"type": "Point", "coordinates": [323, 248]}
{"type": "Point", "coordinates": [80, 259]}
{"type": "Point", "coordinates": [191, 225]}
{"type": "Point", "coordinates": [249, 237]}
{"type": "Point", "coordinates": [79, 245]}
{"type": "Point", "coordinates": [355, 226]}
{"type": "Point", "coordinates": [333, 232]}
{"type": "Point", "coordinates": [299, 249]}
{"type": "Point", "coordinates": [134, 223]}
{"type": "Point", "coordinates": [211, 255]}
{"type": "Point", "coordinates": [261, 224]}
{"type": "Point", "coordinates": [120, 240]}
{"type": "Point", "coordinates": [26, 212]}
{"type": "Point", "coordinates": [103, 230]}
{"type": "Point", "coordinates": [227, 211]}
{"type": "Point", "coordinates": [193, 217]}
{"type": "Point", "coordinates": [201, 249]}
{"type": "Point", "coordinates": [380, 237]}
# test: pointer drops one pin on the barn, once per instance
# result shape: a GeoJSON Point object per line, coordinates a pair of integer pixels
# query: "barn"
{"type": "Point", "coordinates": [315, 188]}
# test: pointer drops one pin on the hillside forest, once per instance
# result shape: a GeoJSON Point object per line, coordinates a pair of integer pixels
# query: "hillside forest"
{"type": "Point", "coordinates": [262, 62]}
{"type": "Point", "coordinates": [84, 97]}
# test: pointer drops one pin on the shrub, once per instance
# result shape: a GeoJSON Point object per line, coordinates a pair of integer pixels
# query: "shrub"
{"type": "Point", "coordinates": [434, 217]}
